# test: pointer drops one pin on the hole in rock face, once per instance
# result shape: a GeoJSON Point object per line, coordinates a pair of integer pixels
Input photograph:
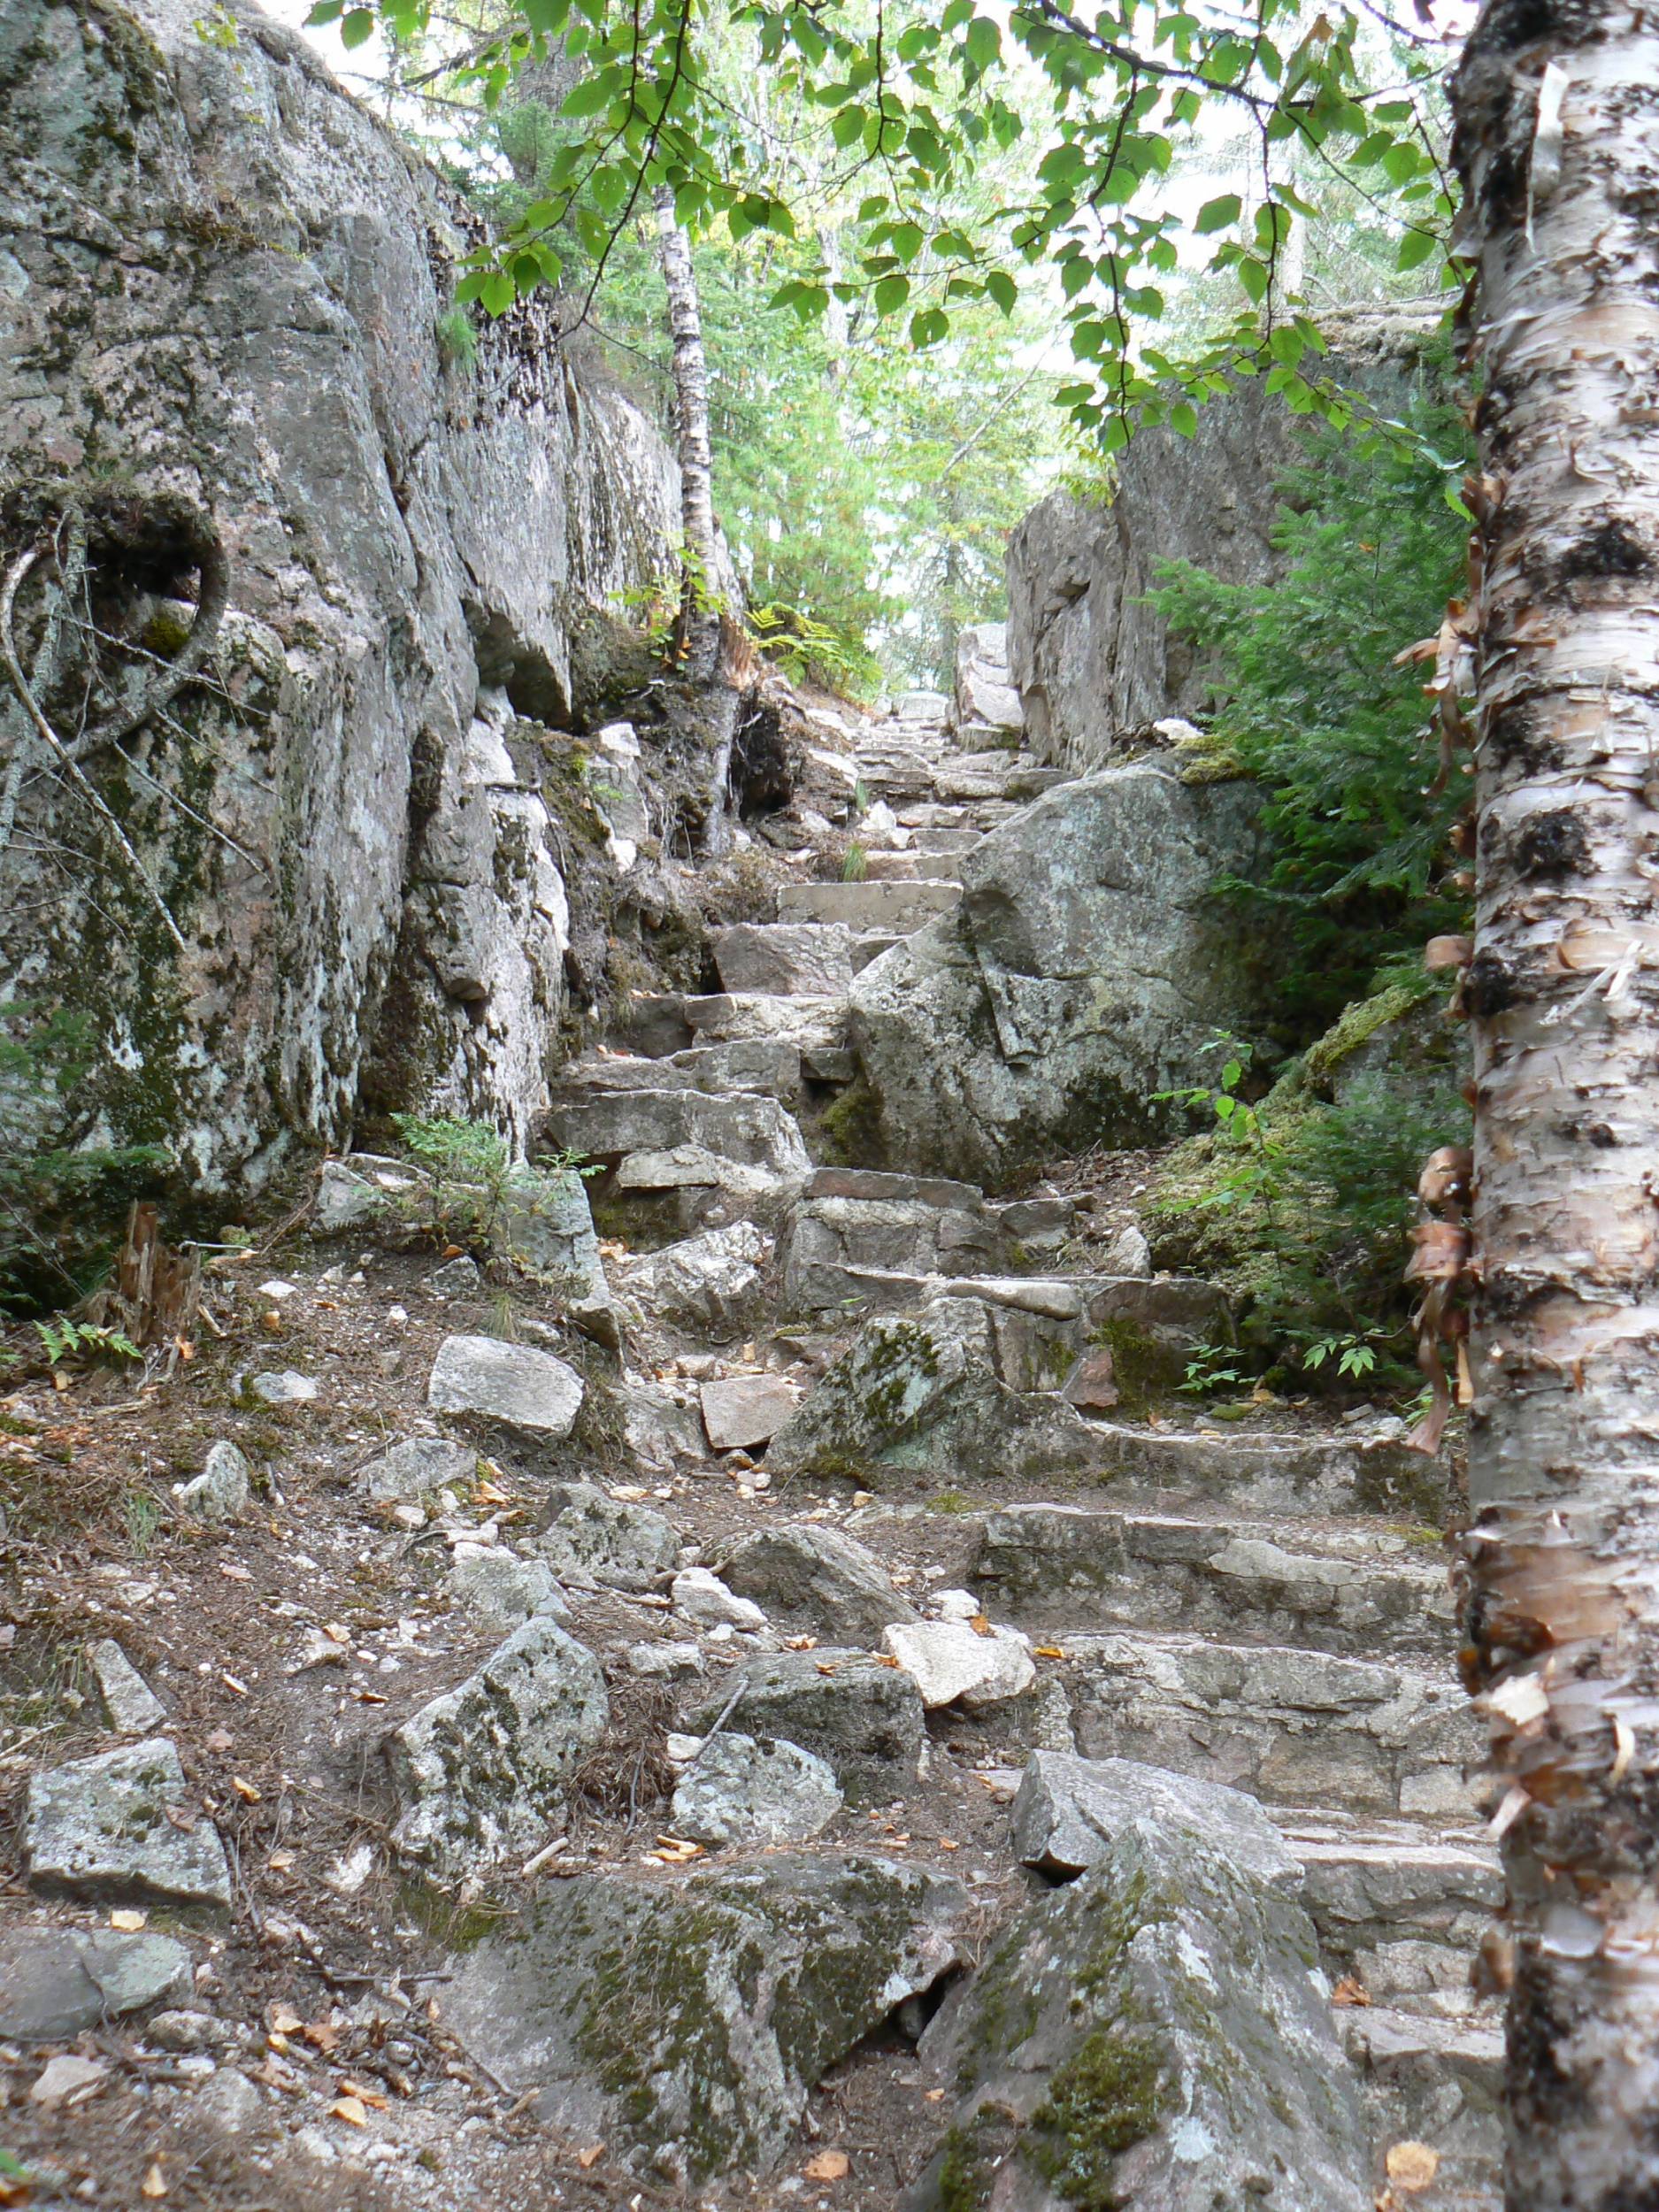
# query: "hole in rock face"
{"type": "Point", "coordinates": [760, 778]}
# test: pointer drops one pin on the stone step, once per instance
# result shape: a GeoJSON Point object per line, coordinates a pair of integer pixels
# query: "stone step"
{"type": "Point", "coordinates": [896, 867]}
{"type": "Point", "coordinates": [1399, 1905]}
{"type": "Point", "coordinates": [812, 1023]}
{"type": "Point", "coordinates": [1435, 2081]}
{"type": "Point", "coordinates": [952, 840]}
{"type": "Point", "coordinates": [1360, 1589]}
{"type": "Point", "coordinates": [769, 1066]}
{"type": "Point", "coordinates": [930, 814]}
{"type": "Point", "coordinates": [1290, 1725]}
{"type": "Point", "coordinates": [1262, 1472]}
{"type": "Point", "coordinates": [747, 1131]}
{"type": "Point", "coordinates": [872, 906]}
{"type": "Point", "coordinates": [813, 959]}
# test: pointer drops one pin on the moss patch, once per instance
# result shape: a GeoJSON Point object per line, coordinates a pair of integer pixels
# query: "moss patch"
{"type": "Point", "coordinates": [1146, 1369]}
{"type": "Point", "coordinates": [1108, 2095]}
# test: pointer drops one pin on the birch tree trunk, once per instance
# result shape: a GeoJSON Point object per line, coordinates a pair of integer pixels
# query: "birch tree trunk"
{"type": "Point", "coordinates": [691, 421]}
{"type": "Point", "coordinates": [1557, 106]}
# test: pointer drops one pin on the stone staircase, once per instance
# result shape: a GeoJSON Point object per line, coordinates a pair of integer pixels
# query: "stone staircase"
{"type": "Point", "coordinates": [1267, 1609]}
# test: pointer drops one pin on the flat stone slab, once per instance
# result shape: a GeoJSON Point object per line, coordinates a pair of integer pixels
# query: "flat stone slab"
{"type": "Point", "coordinates": [414, 1471]}
{"type": "Point", "coordinates": [1291, 1726]}
{"type": "Point", "coordinates": [901, 906]}
{"type": "Point", "coordinates": [873, 1183]}
{"type": "Point", "coordinates": [54, 1982]}
{"type": "Point", "coordinates": [752, 1131]}
{"type": "Point", "coordinates": [123, 1826]}
{"type": "Point", "coordinates": [1359, 1589]}
{"type": "Point", "coordinates": [744, 1412]}
{"type": "Point", "coordinates": [812, 1024]}
{"type": "Point", "coordinates": [513, 1384]}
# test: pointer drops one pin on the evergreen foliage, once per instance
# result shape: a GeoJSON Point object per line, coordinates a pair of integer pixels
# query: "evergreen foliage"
{"type": "Point", "coordinates": [1308, 698]}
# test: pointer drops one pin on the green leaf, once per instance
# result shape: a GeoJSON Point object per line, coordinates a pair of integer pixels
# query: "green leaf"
{"type": "Point", "coordinates": [891, 294]}
{"type": "Point", "coordinates": [592, 96]}
{"type": "Point", "coordinates": [358, 27]}
{"type": "Point", "coordinates": [1003, 290]}
{"type": "Point", "coordinates": [1416, 248]}
{"type": "Point", "coordinates": [496, 291]}
{"type": "Point", "coordinates": [1184, 417]}
{"type": "Point", "coordinates": [984, 41]}
{"type": "Point", "coordinates": [1217, 214]}
{"type": "Point", "coordinates": [928, 328]}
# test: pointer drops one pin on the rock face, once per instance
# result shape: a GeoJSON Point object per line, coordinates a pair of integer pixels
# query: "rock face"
{"type": "Point", "coordinates": [226, 287]}
{"type": "Point", "coordinates": [692, 2017]}
{"type": "Point", "coordinates": [1156, 2036]}
{"type": "Point", "coordinates": [595, 1540]}
{"type": "Point", "coordinates": [1092, 660]}
{"type": "Point", "coordinates": [483, 1770]}
{"type": "Point", "coordinates": [1083, 972]}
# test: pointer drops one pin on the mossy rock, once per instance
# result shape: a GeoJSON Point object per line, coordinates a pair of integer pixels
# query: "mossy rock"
{"type": "Point", "coordinates": [1151, 2034]}
{"type": "Point", "coordinates": [691, 2018]}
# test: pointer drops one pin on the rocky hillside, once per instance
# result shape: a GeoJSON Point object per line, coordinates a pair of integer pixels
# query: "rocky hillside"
{"type": "Point", "coordinates": [349, 860]}
{"type": "Point", "coordinates": [774, 1699]}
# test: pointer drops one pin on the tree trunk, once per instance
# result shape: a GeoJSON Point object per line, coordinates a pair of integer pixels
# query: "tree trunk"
{"type": "Point", "coordinates": [1557, 106]}
{"type": "Point", "coordinates": [691, 422]}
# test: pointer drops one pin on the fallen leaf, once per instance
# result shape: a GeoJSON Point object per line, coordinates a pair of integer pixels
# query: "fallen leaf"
{"type": "Point", "coordinates": [351, 2111]}
{"type": "Point", "coordinates": [128, 1920]}
{"type": "Point", "coordinates": [363, 2092]}
{"type": "Point", "coordinates": [154, 2182]}
{"type": "Point", "coordinates": [322, 2035]}
{"type": "Point", "coordinates": [183, 1817]}
{"type": "Point", "coordinates": [1412, 2166]}
{"type": "Point", "coordinates": [881, 1658]}
{"type": "Point", "coordinates": [231, 1683]}
{"type": "Point", "coordinates": [948, 1843]}
{"type": "Point", "coordinates": [1047, 1651]}
{"type": "Point", "coordinates": [279, 1862]}
{"type": "Point", "coordinates": [1350, 1992]}
{"type": "Point", "coordinates": [933, 2096]}
{"type": "Point", "coordinates": [828, 1666]}
{"type": "Point", "coordinates": [285, 2020]}
{"type": "Point", "coordinates": [981, 1623]}
{"type": "Point", "coordinates": [246, 1790]}
{"type": "Point", "coordinates": [221, 1739]}
{"type": "Point", "coordinates": [368, 1697]}
{"type": "Point", "coordinates": [336, 1632]}
{"type": "Point", "coordinates": [800, 1643]}
{"type": "Point", "coordinates": [591, 2156]}
{"type": "Point", "coordinates": [828, 2166]}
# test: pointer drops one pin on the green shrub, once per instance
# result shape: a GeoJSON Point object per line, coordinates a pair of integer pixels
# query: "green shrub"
{"type": "Point", "coordinates": [1299, 1204]}
{"type": "Point", "coordinates": [63, 1198]}
{"type": "Point", "coordinates": [1305, 696]}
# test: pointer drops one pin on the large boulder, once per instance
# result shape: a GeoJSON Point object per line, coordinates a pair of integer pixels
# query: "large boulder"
{"type": "Point", "coordinates": [739, 1790]}
{"type": "Point", "coordinates": [692, 2017]}
{"type": "Point", "coordinates": [226, 320]}
{"type": "Point", "coordinates": [1155, 2035]}
{"type": "Point", "coordinates": [1069, 1813]}
{"type": "Point", "coordinates": [484, 1769]}
{"type": "Point", "coordinates": [710, 1286]}
{"type": "Point", "coordinates": [595, 1540]}
{"type": "Point", "coordinates": [1088, 967]}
